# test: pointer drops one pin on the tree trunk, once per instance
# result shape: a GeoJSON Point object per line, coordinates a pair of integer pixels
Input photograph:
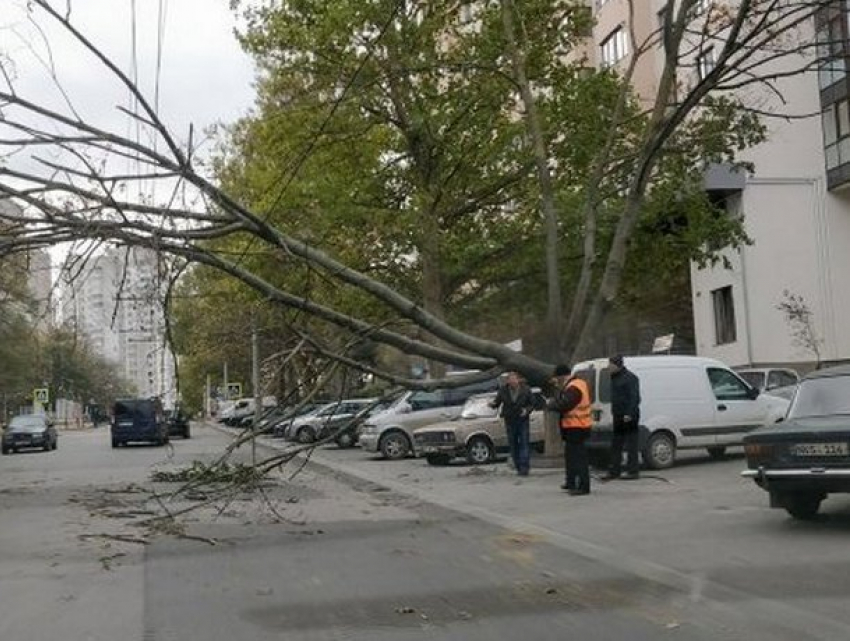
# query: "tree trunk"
{"type": "Point", "coordinates": [544, 178]}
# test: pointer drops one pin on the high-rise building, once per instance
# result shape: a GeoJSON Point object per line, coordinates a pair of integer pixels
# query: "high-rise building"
{"type": "Point", "coordinates": [115, 300]}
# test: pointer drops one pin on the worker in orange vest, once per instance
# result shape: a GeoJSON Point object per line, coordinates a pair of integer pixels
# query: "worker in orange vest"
{"type": "Point", "coordinates": [572, 400]}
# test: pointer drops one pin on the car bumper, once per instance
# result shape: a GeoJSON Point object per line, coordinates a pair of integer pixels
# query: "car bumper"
{"type": "Point", "coordinates": [369, 442]}
{"type": "Point", "coordinates": [814, 478]}
{"type": "Point", "coordinates": [452, 449]}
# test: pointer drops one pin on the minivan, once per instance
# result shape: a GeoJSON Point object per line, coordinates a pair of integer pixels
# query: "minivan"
{"type": "Point", "coordinates": [390, 432]}
{"type": "Point", "coordinates": [687, 402]}
{"type": "Point", "coordinates": [138, 419]}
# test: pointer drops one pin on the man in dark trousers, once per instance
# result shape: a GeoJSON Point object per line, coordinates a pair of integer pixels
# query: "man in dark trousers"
{"type": "Point", "coordinates": [572, 400]}
{"type": "Point", "coordinates": [625, 409]}
{"type": "Point", "coordinates": [517, 402]}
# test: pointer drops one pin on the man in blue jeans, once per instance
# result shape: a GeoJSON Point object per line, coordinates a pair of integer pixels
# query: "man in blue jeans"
{"type": "Point", "coordinates": [517, 402]}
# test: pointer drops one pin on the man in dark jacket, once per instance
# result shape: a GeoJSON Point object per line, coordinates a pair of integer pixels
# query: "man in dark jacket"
{"type": "Point", "coordinates": [517, 402]}
{"type": "Point", "coordinates": [625, 410]}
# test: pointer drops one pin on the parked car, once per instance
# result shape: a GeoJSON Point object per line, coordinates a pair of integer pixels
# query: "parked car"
{"type": "Point", "coordinates": [138, 419]}
{"type": "Point", "coordinates": [327, 420]}
{"type": "Point", "coordinates": [244, 408]}
{"type": "Point", "coordinates": [280, 424]}
{"type": "Point", "coordinates": [29, 431]}
{"type": "Point", "coordinates": [177, 422]}
{"type": "Point", "coordinates": [391, 432]}
{"type": "Point", "coordinates": [767, 379]}
{"type": "Point", "coordinates": [688, 402]}
{"type": "Point", "coordinates": [807, 456]}
{"type": "Point", "coordinates": [477, 434]}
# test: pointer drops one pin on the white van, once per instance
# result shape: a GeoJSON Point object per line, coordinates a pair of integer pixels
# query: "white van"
{"type": "Point", "coordinates": [687, 402]}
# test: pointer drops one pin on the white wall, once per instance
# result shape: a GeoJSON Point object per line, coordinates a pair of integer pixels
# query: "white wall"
{"type": "Point", "coordinates": [801, 244]}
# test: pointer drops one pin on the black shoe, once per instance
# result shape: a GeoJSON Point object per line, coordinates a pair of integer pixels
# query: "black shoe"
{"type": "Point", "coordinates": [578, 492]}
{"type": "Point", "coordinates": [523, 473]}
{"type": "Point", "coordinates": [566, 487]}
{"type": "Point", "coordinates": [631, 476]}
{"type": "Point", "coordinates": [609, 477]}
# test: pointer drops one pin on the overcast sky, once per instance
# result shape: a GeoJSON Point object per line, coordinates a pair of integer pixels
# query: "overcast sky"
{"type": "Point", "coordinates": [205, 78]}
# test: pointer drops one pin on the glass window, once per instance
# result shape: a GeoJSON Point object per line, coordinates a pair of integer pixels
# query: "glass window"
{"type": "Point", "coordinates": [604, 394]}
{"type": "Point", "coordinates": [830, 125]}
{"type": "Point", "coordinates": [822, 397]}
{"type": "Point", "coordinates": [724, 316]}
{"type": "Point", "coordinates": [706, 62]}
{"type": "Point", "coordinates": [614, 48]}
{"type": "Point", "coordinates": [832, 157]}
{"type": "Point", "coordinates": [755, 379]}
{"type": "Point", "coordinates": [726, 386]}
{"type": "Point", "coordinates": [779, 378]}
{"type": "Point", "coordinates": [425, 400]}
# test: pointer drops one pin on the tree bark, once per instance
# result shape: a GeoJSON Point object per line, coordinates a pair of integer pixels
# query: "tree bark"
{"type": "Point", "coordinates": [544, 177]}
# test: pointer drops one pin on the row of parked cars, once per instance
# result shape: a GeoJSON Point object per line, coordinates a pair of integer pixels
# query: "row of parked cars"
{"type": "Point", "coordinates": [796, 435]}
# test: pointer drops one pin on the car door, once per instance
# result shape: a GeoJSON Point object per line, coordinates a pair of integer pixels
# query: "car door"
{"type": "Point", "coordinates": [738, 411]}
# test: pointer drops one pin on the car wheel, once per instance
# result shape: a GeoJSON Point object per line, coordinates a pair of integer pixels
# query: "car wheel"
{"type": "Point", "coordinates": [717, 452]}
{"type": "Point", "coordinates": [395, 445]}
{"type": "Point", "coordinates": [5, 450]}
{"type": "Point", "coordinates": [305, 435]}
{"type": "Point", "coordinates": [345, 440]}
{"type": "Point", "coordinates": [479, 451]}
{"type": "Point", "coordinates": [186, 433]}
{"type": "Point", "coordinates": [660, 451]}
{"type": "Point", "coordinates": [438, 459]}
{"type": "Point", "coordinates": [803, 506]}
{"type": "Point", "coordinates": [46, 447]}
{"type": "Point", "coordinates": [56, 444]}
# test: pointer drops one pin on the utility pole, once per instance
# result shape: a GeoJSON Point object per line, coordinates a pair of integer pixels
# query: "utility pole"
{"type": "Point", "coordinates": [258, 400]}
{"type": "Point", "coordinates": [226, 388]}
{"type": "Point", "coordinates": [207, 399]}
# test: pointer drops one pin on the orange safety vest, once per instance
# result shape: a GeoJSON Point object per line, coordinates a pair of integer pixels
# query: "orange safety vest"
{"type": "Point", "coordinates": [579, 418]}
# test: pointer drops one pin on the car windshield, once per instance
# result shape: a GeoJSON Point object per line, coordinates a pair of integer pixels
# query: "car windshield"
{"type": "Point", "coordinates": [821, 397]}
{"type": "Point", "coordinates": [27, 423]}
{"type": "Point", "coordinates": [478, 407]}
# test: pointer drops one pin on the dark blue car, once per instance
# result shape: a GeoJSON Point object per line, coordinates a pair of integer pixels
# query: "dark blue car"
{"type": "Point", "coordinates": [138, 419]}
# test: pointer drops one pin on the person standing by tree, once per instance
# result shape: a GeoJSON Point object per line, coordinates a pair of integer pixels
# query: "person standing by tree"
{"type": "Point", "coordinates": [625, 410]}
{"type": "Point", "coordinates": [572, 400]}
{"type": "Point", "coordinates": [517, 402]}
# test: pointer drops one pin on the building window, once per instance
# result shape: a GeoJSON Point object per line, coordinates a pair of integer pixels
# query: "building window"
{"type": "Point", "coordinates": [836, 134]}
{"type": "Point", "coordinates": [832, 29]}
{"type": "Point", "coordinates": [706, 62]}
{"type": "Point", "coordinates": [615, 47]}
{"type": "Point", "coordinates": [724, 315]}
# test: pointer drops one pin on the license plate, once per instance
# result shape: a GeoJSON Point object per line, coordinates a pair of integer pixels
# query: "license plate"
{"type": "Point", "coordinates": [427, 449]}
{"type": "Point", "coordinates": [820, 449]}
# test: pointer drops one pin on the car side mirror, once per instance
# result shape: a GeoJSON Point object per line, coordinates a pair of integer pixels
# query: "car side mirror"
{"type": "Point", "coordinates": [781, 419]}
{"type": "Point", "coordinates": [405, 408]}
{"type": "Point", "coordinates": [753, 393]}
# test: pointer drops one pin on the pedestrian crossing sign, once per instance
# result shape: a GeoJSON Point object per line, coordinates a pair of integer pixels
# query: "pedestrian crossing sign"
{"type": "Point", "coordinates": [234, 390]}
{"type": "Point", "coordinates": [41, 395]}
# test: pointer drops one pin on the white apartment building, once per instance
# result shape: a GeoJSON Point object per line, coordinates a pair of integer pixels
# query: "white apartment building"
{"type": "Point", "coordinates": [40, 286]}
{"type": "Point", "coordinates": [795, 207]}
{"type": "Point", "coordinates": [114, 299]}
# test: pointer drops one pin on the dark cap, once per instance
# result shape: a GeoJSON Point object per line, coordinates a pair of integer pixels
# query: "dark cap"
{"type": "Point", "coordinates": [563, 370]}
{"type": "Point", "coordinates": [616, 360]}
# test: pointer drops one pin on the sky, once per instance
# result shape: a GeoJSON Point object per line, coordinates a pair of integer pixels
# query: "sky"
{"type": "Point", "coordinates": [204, 78]}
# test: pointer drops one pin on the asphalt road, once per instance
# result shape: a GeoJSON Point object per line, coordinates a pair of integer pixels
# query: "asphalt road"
{"type": "Point", "coordinates": [378, 550]}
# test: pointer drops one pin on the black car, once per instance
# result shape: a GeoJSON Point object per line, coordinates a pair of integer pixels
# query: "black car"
{"type": "Point", "coordinates": [807, 456]}
{"type": "Point", "coordinates": [29, 431]}
{"type": "Point", "coordinates": [178, 423]}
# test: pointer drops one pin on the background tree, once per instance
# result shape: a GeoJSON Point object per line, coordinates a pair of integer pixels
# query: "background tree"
{"type": "Point", "coordinates": [73, 197]}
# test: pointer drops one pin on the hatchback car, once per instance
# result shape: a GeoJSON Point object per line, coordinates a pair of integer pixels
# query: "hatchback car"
{"type": "Point", "coordinates": [807, 456]}
{"type": "Point", "coordinates": [28, 432]}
